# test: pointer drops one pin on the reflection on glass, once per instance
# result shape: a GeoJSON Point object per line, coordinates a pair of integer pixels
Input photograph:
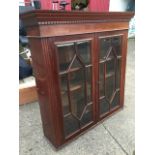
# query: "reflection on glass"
{"type": "Point", "coordinates": [64, 94]}
{"type": "Point", "coordinates": [65, 54]}
{"type": "Point", "coordinates": [88, 81]}
{"type": "Point", "coordinates": [101, 79]}
{"type": "Point", "coordinates": [77, 78]}
{"type": "Point", "coordinates": [116, 42]}
{"type": "Point", "coordinates": [118, 73]}
{"type": "Point", "coordinates": [77, 91]}
{"type": "Point", "coordinates": [76, 63]}
{"type": "Point", "coordinates": [105, 44]}
{"type": "Point", "coordinates": [70, 125]}
{"type": "Point", "coordinates": [110, 87]}
{"type": "Point", "coordinates": [115, 101]}
{"type": "Point", "coordinates": [87, 117]}
{"type": "Point", "coordinates": [104, 106]}
{"type": "Point", "coordinates": [84, 51]}
{"type": "Point", "coordinates": [110, 67]}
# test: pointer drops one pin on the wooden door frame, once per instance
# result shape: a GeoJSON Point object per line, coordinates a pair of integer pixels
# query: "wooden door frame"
{"type": "Point", "coordinates": [66, 39]}
{"type": "Point", "coordinates": [94, 37]}
{"type": "Point", "coordinates": [123, 34]}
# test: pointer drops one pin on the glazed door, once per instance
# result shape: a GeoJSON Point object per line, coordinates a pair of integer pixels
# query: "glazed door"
{"type": "Point", "coordinates": [109, 68]}
{"type": "Point", "coordinates": [75, 65]}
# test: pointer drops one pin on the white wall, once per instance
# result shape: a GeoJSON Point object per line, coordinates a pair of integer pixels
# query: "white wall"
{"type": "Point", "coordinates": [118, 5]}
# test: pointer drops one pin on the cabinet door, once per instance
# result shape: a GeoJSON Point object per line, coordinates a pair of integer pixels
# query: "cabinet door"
{"type": "Point", "coordinates": [110, 57]}
{"type": "Point", "coordinates": [75, 74]}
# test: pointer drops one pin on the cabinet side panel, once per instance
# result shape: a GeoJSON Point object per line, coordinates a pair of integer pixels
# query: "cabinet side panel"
{"type": "Point", "coordinates": [123, 67]}
{"type": "Point", "coordinates": [41, 73]}
{"type": "Point", "coordinates": [55, 92]}
{"type": "Point", "coordinates": [53, 89]}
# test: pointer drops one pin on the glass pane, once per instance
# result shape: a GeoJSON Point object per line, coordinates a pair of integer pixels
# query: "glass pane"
{"type": "Point", "coordinates": [77, 91]}
{"type": "Point", "coordinates": [111, 55]}
{"type": "Point", "coordinates": [116, 42]}
{"type": "Point", "coordinates": [89, 82]}
{"type": "Point", "coordinates": [65, 54]}
{"type": "Point", "coordinates": [115, 101]}
{"type": "Point", "coordinates": [110, 52]}
{"type": "Point", "coordinates": [101, 79]}
{"type": "Point", "coordinates": [118, 73]}
{"type": "Point", "coordinates": [84, 51]}
{"type": "Point", "coordinates": [76, 63]}
{"type": "Point", "coordinates": [104, 106]}
{"type": "Point", "coordinates": [64, 94]}
{"type": "Point", "coordinates": [70, 125]}
{"type": "Point", "coordinates": [105, 44]}
{"type": "Point", "coordinates": [110, 87]}
{"type": "Point", "coordinates": [87, 116]}
{"type": "Point", "coordinates": [78, 77]}
{"type": "Point", "coordinates": [110, 67]}
{"type": "Point", "coordinates": [77, 103]}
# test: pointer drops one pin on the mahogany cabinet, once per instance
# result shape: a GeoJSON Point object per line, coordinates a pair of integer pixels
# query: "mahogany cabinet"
{"type": "Point", "coordinates": [79, 61]}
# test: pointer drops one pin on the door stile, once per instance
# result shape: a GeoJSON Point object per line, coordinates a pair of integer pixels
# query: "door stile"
{"type": "Point", "coordinates": [96, 75]}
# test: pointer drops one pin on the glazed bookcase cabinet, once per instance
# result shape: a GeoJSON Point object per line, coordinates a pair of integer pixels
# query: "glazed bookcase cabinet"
{"type": "Point", "coordinates": [79, 61]}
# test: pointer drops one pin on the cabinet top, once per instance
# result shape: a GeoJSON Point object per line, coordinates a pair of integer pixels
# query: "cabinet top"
{"type": "Point", "coordinates": [47, 17]}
